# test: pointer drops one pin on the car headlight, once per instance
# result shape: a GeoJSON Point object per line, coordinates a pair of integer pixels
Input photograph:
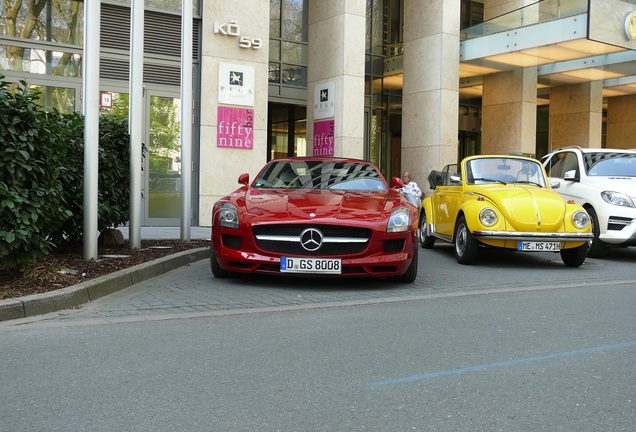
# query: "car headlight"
{"type": "Point", "coordinates": [228, 216]}
{"type": "Point", "coordinates": [580, 219]}
{"type": "Point", "coordinates": [488, 217]}
{"type": "Point", "coordinates": [617, 198]}
{"type": "Point", "coordinates": [399, 220]}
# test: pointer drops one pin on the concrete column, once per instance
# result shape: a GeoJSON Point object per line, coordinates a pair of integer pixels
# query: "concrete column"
{"type": "Point", "coordinates": [621, 122]}
{"type": "Point", "coordinates": [576, 115]}
{"type": "Point", "coordinates": [220, 167]}
{"type": "Point", "coordinates": [509, 112]}
{"type": "Point", "coordinates": [430, 95]}
{"type": "Point", "coordinates": [336, 55]}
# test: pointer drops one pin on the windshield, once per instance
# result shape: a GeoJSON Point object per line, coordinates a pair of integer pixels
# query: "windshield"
{"type": "Point", "coordinates": [320, 174]}
{"type": "Point", "coordinates": [610, 164]}
{"type": "Point", "coordinates": [504, 170]}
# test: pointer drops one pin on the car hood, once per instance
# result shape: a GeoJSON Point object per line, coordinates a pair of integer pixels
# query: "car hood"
{"type": "Point", "coordinates": [528, 208]}
{"type": "Point", "coordinates": [626, 185]}
{"type": "Point", "coordinates": [301, 204]}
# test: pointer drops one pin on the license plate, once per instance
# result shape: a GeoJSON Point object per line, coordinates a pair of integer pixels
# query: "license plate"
{"type": "Point", "coordinates": [530, 246]}
{"type": "Point", "coordinates": [311, 265]}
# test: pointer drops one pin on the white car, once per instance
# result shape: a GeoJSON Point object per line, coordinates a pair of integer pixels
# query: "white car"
{"type": "Point", "coordinates": [603, 181]}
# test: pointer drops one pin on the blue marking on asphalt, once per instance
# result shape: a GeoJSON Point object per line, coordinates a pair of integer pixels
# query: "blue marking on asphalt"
{"type": "Point", "coordinates": [482, 367]}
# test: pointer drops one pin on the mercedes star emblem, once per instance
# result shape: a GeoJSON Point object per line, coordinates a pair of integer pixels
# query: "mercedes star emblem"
{"type": "Point", "coordinates": [311, 239]}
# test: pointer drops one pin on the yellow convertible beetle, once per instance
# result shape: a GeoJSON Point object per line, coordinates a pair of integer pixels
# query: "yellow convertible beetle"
{"type": "Point", "coordinates": [502, 201]}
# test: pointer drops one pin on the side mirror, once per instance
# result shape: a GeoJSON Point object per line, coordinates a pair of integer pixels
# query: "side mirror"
{"type": "Point", "coordinates": [571, 176]}
{"type": "Point", "coordinates": [555, 184]}
{"type": "Point", "coordinates": [396, 183]}
{"type": "Point", "coordinates": [244, 179]}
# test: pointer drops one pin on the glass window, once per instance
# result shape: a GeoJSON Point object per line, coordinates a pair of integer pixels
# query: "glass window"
{"type": "Point", "coordinates": [294, 20]}
{"type": "Point", "coordinates": [274, 18]}
{"type": "Point", "coordinates": [54, 21]}
{"type": "Point", "coordinates": [40, 61]}
{"type": "Point", "coordinates": [61, 99]}
{"type": "Point", "coordinates": [274, 73]}
{"type": "Point", "coordinates": [164, 5]}
{"type": "Point", "coordinates": [294, 53]}
{"type": "Point", "coordinates": [294, 75]}
{"type": "Point", "coordinates": [288, 42]}
{"type": "Point", "coordinates": [274, 50]}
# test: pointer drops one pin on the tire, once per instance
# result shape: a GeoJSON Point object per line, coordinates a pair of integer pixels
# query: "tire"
{"type": "Point", "coordinates": [598, 248]}
{"type": "Point", "coordinates": [411, 272]}
{"type": "Point", "coordinates": [426, 241]}
{"type": "Point", "coordinates": [466, 246]}
{"type": "Point", "coordinates": [574, 257]}
{"type": "Point", "coordinates": [216, 268]}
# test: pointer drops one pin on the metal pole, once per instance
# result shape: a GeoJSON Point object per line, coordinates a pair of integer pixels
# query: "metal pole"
{"type": "Point", "coordinates": [135, 117]}
{"type": "Point", "coordinates": [90, 106]}
{"type": "Point", "coordinates": [186, 118]}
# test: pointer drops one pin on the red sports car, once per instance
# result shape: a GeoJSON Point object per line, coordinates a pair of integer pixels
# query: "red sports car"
{"type": "Point", "coordinates": [315, 216]}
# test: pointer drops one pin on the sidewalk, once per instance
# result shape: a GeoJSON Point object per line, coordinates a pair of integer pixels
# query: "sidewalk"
{"type": "Point", "coordinates": [93, 289]}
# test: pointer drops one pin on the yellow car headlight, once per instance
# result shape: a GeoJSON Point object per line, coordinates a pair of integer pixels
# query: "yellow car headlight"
{"type": "Point", "coordinates": [488, 217]}
{"type": "Point", "coordinates": [580, 219]}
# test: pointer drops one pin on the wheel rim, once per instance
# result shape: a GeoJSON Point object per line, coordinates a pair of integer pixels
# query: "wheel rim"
{"type": "Point", "coordinates": [460, 240]}
{"type": "Point", "coordinates": [423, 229]}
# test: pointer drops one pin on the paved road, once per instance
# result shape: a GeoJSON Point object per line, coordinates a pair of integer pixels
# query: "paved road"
{"type": "Point", "coordinates": [192, 291]}
{"type": "Point", "coordinates": [534, 354]}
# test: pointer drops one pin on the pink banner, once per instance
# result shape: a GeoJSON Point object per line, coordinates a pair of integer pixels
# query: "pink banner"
{"type": "Point", "coordinates": [323, 138]}
{"type": "Point", "coordinates": [236, 128]}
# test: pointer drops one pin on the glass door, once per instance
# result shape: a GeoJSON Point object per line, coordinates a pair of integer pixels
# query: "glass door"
{"type": "Point", "coordinates": [162, 160]}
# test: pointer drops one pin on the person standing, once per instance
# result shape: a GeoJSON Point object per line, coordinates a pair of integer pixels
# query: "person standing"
{"type": "Point", "coordinates": [410, 190]}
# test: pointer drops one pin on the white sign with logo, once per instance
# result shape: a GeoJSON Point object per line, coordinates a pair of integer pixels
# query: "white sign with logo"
{"type": "Point", "coordinates": [236, 84]}
{"type": "Point", "coordinates": [324, 95]}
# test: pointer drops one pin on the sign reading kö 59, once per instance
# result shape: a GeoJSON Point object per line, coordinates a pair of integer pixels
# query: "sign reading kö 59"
{"type": "Point", "coordinates": [232, 29]}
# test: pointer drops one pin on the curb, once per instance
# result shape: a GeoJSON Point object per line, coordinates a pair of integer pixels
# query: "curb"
{"type": "Point", "coordinates": [85, 292]}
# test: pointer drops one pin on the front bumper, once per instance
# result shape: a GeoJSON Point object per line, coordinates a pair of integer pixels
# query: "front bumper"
{"type": "Point", "coordinates": [532, 236]}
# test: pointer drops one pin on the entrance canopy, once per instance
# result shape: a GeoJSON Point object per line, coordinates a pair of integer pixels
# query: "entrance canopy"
{"type": "Point", "coordinates": [568, 41]}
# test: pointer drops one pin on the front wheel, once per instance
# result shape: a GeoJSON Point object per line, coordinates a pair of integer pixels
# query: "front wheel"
{"type": "Point", "coordinates": [598, 249]}
{"type": "Point", "coordinates": [426, 241]}
{"type": "Point", "coordinates": [574, 257]}
{"type": "Point", "coordinates": [411, 272]}
{"type": "Point", "coordinates": [465, 244]}
{"type": "Point", "coordinates": [216, 268]}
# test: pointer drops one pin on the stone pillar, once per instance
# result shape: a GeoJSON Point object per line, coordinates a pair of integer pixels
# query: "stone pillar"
{"type": "Point", "coordinates": [509, 104]}
{"type": "Point", "coordinates": [336, 56]}
{"type": "Point", "coordinates": [222, 161]}
{"type": "Point", "coordinates": [576, 115]}
{"type": "Point", "coordinates": [430, 94]}
{"type": "Point", "coordinates": [621, 122]}
{"type": "Point", "coordinates": [509, 112]}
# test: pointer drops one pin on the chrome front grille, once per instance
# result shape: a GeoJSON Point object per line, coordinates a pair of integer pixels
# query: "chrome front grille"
{"type": "Point", "coordinates": [333, 240]}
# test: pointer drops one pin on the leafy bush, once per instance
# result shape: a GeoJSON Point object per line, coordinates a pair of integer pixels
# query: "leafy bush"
{"type": "Point", "coordinates": [113, 176]}
{"type": "Point", "coordinates": [42, 176]}
{"type": "Point", "coordinates": [31, 188]}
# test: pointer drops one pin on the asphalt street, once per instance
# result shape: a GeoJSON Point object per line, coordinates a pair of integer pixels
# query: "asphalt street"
{"type": "Point", "coordinates": [517, 342]}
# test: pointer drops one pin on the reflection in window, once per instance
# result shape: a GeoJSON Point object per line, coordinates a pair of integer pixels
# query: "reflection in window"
{"type": "Point", "coordinates": [164, 5]}
{"type": "Point", "coordinates": [294, 75]}
{"type": "Point", "coordinates": [53, 21]}
{"type": "Point", "coordinates": [61, 99]}
{"type": "Point", "coordinates": [40, 61]}
{"type": "Point", "coordinates": [288, 42]}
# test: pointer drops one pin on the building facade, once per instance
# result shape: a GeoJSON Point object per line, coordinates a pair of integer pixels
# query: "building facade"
{"type": "Point", "coordinates": [408, 84]}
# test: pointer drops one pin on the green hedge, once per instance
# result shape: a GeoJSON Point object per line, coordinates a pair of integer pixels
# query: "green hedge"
{"type": "Point", "coordinates": [41, 176]}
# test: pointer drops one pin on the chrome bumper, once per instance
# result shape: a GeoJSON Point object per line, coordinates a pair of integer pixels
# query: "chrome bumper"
{"type": "Point", "coordinates": [532, 236]}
